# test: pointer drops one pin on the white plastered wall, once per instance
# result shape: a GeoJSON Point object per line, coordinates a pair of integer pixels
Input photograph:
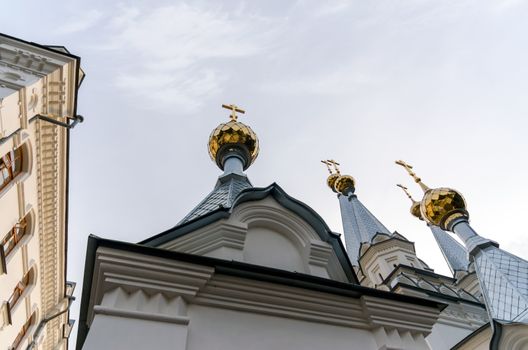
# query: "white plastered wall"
{"type": "Point", "coordinates": [264, 233]}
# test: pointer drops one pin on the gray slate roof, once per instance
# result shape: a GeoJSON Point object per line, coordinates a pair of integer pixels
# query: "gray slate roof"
{"type": "Point", "coordinates": [454, 253]}
{"type": "Point", "coordinates": [227, 188]}
{"type": "Point", "coordinates": [359, 225]}
{"type": "Point", "coordinates": [504, 282]}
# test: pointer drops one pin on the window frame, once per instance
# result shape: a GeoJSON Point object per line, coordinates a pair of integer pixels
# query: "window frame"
{"type": "Point", "coordinates": [11, 166]}
{"type": "Point", "coordinates": [24, 331]}
{"type": "Point", "coordinates": [14, 236]}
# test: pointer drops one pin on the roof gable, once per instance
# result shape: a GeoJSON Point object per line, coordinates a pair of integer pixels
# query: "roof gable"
{"type": "Point", "coordinates": [220, 222]}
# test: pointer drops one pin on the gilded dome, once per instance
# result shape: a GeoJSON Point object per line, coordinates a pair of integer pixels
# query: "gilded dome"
{"type": "Point", "coordinates": [441, 205]}
{"type": "Point", "coordinates": [330, 181]}
{"type": "Point", "coordinates": [234, 133]}
{"type": "Point", "coordinates": [415, 210]}
{"type": "Point", "coordinates": [344, 182]}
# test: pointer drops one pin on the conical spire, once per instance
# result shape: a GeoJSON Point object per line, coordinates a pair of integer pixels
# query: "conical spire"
{"type": "Point", "coordinates": [503, 277]}
{"type": "Point", "coordinates": [359, 224]}
{"type": "Point", "coordinates": [454, 253]}
{"type": "Point", "coordinates": [233, 146]}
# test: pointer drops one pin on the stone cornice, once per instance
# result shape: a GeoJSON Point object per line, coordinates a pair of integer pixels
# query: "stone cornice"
{"type": "Point", "coordinates": [132, 275]}
{"type": "Point", "coordinates": [51, 168]}
{"type": "Point", "coordinates": [220, 233]}
{"type": "Point", "coordinates": [30, 57]}
{"type": "Point", "coordinates": [134, 272]}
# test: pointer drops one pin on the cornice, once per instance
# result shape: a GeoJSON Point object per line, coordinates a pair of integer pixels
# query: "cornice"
{"type": "Point", "coordinates": [140, 272]}
{"type": "Point", "coordinates": [31, 57]}
{"type": "Point", "coordinates": [50, 170]}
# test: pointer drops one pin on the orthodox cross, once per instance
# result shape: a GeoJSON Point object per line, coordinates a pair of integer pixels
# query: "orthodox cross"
{"type": "Point", "coordinates": [330, 163]}
{"type": "Point", "coordinates": [234, 109]}
{"type": "Point", "coordinates": [409, 167]}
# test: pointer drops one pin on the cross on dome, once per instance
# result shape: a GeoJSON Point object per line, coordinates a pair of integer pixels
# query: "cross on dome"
{"type": "Point", "coordinates": [234, 109]}
{"type": "Point", "coordinates": [330, 163]}
{"type": "Point", "coordinates": [409, 167]}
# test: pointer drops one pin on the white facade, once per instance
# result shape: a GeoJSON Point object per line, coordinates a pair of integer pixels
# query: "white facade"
{"type": "Point", "coordinates": [139, 300]}
{"type": "Point", "coordinates": [261, 277]}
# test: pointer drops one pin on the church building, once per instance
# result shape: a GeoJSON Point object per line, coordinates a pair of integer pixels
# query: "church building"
{"type": "Point", "coordinates": [253, 268]}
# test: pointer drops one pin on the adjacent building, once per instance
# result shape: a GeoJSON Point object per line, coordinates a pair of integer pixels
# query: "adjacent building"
{"type": "Point", "coordinates": [38, 99]}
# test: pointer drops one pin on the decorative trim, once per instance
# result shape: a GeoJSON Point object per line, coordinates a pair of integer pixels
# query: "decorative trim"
{"type": "Point", "coordinates": [319, 254]}
{"type": "Point", "coordinates": [110, 311]}
{"type": "Point", "coordinates": [125, 279]}
{"type": "Point", "coordinates": [209, 238]}
{"type": "Point", "coordinates": [386, 313]}
{"type": "Point", "coordinates": [134, 272]}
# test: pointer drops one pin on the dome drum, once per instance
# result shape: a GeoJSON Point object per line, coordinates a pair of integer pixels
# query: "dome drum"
{"type": "Point", "coordinates": [233, 150]}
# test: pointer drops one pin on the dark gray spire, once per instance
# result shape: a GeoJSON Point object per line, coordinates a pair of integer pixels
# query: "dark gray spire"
{"type": "Point", "coordinates": [359, 225]}
{"type": "Point", "coordinates": [454, 253]}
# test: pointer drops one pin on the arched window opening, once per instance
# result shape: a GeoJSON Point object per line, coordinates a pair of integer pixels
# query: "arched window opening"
{"type": "Point", "coordinates": [20, 288]}
{"type": "Point", "coordinates": [11, 166]}
{"type": "Point", "coordinates": [14, 236]}
{"type": "Point", "coordinates": [24, 331]}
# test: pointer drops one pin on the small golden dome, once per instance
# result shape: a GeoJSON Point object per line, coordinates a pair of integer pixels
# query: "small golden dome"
{"type": "Point", "coordinates": [344, 182]}
{"type": "Point", "coordinates": [233, 133]}
{"type": "Point", "coordinates": [415, 210]}
{"type": "Point", "coordinates": [330, 181]}
{"type": "Point", "coordinates": [441, 205]}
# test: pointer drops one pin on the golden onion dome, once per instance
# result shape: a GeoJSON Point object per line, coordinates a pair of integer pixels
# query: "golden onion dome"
{"type": "Point", "coordinates": [233, 133]}
{"type": "Point", "coordinates": [440, 206]}
{"type": "Point", "coordinates": [415, 210]}
{"type": "Point", "coordinates": [343, 183]}
{"type": "Point", "coordinates": [330, 181]}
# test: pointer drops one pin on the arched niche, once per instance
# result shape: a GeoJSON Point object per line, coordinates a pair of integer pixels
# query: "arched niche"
{"type": "Point", "coordinates": [270, 247]}
{"type": "Point", "coordinates": [275, 236]}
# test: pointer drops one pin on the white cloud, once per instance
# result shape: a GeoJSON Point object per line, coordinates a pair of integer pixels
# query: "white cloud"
{"type": "Point", "coordinates": [178, 50]}
{"type": "Point", "coordinates": [342, 82]}
{"type": "Point", "coordinates": [80, 23]}
{"type": "Point", "coordinates": [331, 7]}
{"type": "Point", "coordinates": [179, 90]}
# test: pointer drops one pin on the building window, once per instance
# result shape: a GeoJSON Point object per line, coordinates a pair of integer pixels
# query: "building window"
{"type": "Point", "coordinates": [14, 236]}
{"type": "Point", "coordinates": [10, 166]}
{"type": "Point", "coordinates": [19, 290]}
{"type": "Point", "coordinates": [23, 332]}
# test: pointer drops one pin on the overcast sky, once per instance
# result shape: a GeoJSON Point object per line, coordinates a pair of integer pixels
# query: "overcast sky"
{"type": "Point", "coordinates": [440, 84]}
